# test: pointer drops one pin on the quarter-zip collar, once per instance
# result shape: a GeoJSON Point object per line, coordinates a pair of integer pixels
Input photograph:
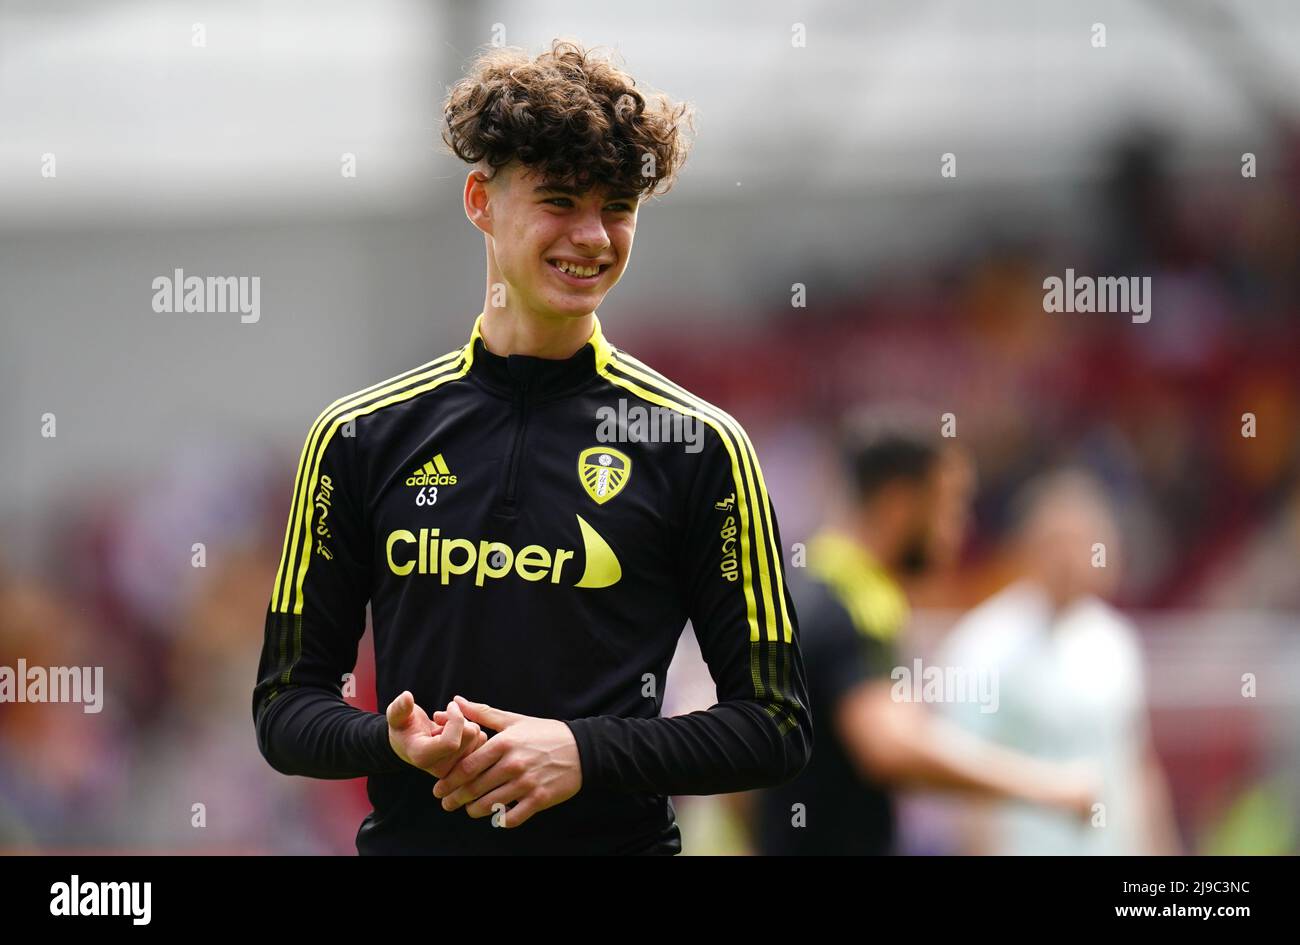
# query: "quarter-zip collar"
{"type": "Point", "coordinates": [539, 378]}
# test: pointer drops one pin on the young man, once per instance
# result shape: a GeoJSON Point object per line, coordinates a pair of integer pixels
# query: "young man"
{"type": "Point", "coordinates": [521, 572]}
{"type": "Point", "coordinates": [908, 507]}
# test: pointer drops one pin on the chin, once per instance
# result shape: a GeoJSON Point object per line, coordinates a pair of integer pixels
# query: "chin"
{"type": "Point", "coordinates": [577, 308]}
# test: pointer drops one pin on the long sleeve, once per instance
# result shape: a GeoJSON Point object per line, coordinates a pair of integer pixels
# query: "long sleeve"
{"type": "Point", "coordinates": [759, 733]}
{"type": "Point", "coordinates": [314, 624]}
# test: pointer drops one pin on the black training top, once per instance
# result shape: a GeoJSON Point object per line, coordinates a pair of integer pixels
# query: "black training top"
{"type": "Point", "coordinates": [851, 612]}
{"type": "Point", "coordinates": [511, 556]}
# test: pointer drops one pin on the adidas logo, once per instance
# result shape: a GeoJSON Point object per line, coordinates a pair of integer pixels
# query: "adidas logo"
{"type": "Point", "coordinates": [432, 473]}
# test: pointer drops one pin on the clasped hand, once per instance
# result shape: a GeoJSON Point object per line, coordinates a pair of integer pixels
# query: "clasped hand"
{"type": "Point", "coordinates": [528, 765]}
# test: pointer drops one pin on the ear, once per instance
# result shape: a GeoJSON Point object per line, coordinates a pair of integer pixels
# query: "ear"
{"type": "Point", "coordinates": [478, 202]}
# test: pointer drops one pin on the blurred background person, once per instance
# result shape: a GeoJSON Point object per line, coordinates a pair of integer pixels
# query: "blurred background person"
{"type": "Point", "coordinates": [906, 513]}
{"type": "Point", "coordinates": [1070, 681]}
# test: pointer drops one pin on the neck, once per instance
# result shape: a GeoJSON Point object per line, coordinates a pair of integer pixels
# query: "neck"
{"type": "Point", "coordinates": [517, 329]}
{"type": "Point", "coordinates": [555, 337]}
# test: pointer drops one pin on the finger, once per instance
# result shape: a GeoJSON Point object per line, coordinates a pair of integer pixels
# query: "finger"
{"type": "Point", "coordinates": [440, 721]}
{"type": "Point", "coordinates": [491, 779]}
{"type": "Point", "coordinates": [452, 731]}
{"type": "Point", "coordinates": [465, 769]}
{"type": "Point", "coordinates": [527, 806]}
{"type": "Point", "coordinates": [496, 719]}
{"type": "Point", "coordinates": [437, 749]}
{"type": "Point", "coordinates": [471, 728]}
{"type": "Point", "coordinates": [512, 790]}
{"type": "Point", "coordinates": [471, 739]}
{"type": "Point", "coordinates": [399, 710]}
{"type": "Point", "coordinates": [469, 767]}
{"type": "Point", "coordinates": [405, 715]}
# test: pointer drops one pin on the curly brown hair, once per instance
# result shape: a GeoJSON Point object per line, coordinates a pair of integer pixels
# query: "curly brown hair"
{"type": "Point", "coordinates": [576, 118]}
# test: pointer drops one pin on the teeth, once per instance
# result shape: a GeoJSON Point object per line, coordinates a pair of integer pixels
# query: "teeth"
{"type": "Point", "coordinates": [584, 271]}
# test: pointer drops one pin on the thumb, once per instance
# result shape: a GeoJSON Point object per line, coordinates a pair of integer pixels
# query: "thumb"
{"type": "Point", "coordinates": [399, 710]}
{"type": "Point", "coordinates": [496, 719]}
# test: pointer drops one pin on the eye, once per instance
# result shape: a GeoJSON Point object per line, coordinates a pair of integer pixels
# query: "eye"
{"type": "Point", "coordinates": [622, 207]}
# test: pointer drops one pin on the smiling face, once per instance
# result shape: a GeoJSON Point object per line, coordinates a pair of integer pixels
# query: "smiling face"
{"type": "Point", "coordinates": [557, 251]}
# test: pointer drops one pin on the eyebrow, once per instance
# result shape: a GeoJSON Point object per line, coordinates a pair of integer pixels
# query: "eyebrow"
{"type": "Point", "coordinates": [574, 192]}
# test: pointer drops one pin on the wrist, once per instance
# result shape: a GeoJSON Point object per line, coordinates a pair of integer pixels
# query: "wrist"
{"type": "Point", "coordinates": [584, 739]}
{"type": "Point", "coordinates": [384, 742]}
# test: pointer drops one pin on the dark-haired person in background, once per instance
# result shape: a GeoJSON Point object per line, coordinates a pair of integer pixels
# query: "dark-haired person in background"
{"type": "Point", "coordinates": [906, 513]}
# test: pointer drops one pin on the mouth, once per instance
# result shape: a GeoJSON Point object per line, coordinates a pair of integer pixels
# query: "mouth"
{"type": "Point", "coordinates": [577, 275]}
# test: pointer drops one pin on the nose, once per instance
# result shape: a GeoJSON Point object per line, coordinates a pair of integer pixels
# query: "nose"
{"type": "Point", "coordinates": [588, 232]}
